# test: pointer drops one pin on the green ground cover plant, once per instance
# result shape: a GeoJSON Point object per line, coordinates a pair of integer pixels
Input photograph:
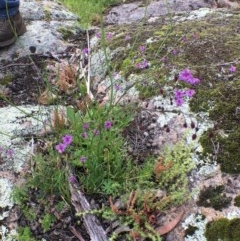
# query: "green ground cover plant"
{"type": "Point", "coordinates": [89, 11]}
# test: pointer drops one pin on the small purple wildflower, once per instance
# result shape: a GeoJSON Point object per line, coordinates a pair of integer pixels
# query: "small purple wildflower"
{"type": "Point", "coordinates": [179, 101]}
{"type": "Point", "coordinates": [117, 87]}
{"type": "Point", "coordinates": [96, 132]}
{"type": "Point", "coordinates": [164, 59]}
{"type": "Point", "coordinates": [232, 69]}
{"type": "Point", "coordinates": [83, 159]}
{"type": "Point", "coordinates": [109, 36]}
{"type": "Point", "coordinates": [72, 179]}
{"type": "Point", "coordinates": [184, 39]}
{"type": "Point", "coordinates": [60, 148]}
{"type": "Point", "coordinates": [127, 37]}
{"type": "Point", "coordinates": [193, 81]}
{"type": "Point", "coordinates": [190, 92]}
{"type": "Point", "coordinates": [67, 140]}
{"type": "Point", "coordinates": [142, 65]}
{"type": "Point", "coordinates": [142, 48]}
{"type": "Point", "coordinates": [9, 153]}
{"type": "Point", "coordinates": [85, 126]}
{"type": "Point", "coordinates": [174, 52]}
{"type": "Point", "coordinates": [84, 135]}
{"type": "Point", "coordinates": [194, 36]}
{"type": "Point", "coordinates": [185, 75]}
{"type": "Point", "coordinates": [179, 93]}
{"type": "Point", "coordinates": [85, 51]}
{"type": "Point", "coordinates": [98, 34]}
{"type": "Point", "coordinates": [108, 125]}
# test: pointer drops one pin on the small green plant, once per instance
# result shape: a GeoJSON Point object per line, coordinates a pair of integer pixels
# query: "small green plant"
{"type": "Point", "coordinates": [92, 9]}
{"type": "Point", "coordinates": [24, 234]}
{"type": "Point", "coordinates": [47, 221]}
{"type": "Point", "coordinates": [174, 179]}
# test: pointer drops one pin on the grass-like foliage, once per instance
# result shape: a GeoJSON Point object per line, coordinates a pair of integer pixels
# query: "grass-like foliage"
{"type": "Point", "coordinates": [90, 11]}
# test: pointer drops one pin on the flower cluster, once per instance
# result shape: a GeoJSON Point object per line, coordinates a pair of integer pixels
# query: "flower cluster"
{"type": "Point", "coordinates": [180, 94]}
{"type": "Point", "coordinates": [66, 141]}
{"type": "Point", "coordinates": [186, 76]}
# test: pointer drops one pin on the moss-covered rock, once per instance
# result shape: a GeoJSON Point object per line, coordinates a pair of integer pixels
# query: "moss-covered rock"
{"type": "Point", "coordinates": [208, 47]}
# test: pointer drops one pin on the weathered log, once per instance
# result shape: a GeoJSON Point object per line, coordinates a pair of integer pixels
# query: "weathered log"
{"type": "Point", "coordinates": [90, 221]}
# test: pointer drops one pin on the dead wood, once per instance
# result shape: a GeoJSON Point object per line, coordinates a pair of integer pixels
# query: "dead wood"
{"type": "Point", "coordinates": [91, 223]}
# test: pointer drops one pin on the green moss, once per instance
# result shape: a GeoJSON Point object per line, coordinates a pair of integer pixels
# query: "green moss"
{"type": "Point", "coordinates": [6, 79]}
{"type": "Point", "coordinates": [223, 229]}
{"type": "Point", "coordinates": [190, 230]}
{"type": "Point", "coordinates": [214, 197]}
{"type": "Point", "coordinates": [237, 201]}
{"type": "Point", "coordinates": [47, 14]}
{"type": "Point", "coordinates": [66, 32]}
{"type": "Point", "coordinates": [223, 104]}
{"type": "Point", "coordinates": [217, 230]}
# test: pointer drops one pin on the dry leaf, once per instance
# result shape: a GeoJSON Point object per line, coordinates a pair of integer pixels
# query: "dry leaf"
{"type": "Point", "coordinates": [171, 225]}
{"type": "Point", "coordinates": [58, 118]}
{"type": "Point", "coordinates": [47, 97]}
{"type": "Point", "coordinates": [159, 166]}
{"type": "Point", "coordinates": [67, 78]}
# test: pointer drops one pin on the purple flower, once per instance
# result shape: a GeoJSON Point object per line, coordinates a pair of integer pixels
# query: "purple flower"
{"type": "Point", "coordinates": [179, 93]}
{"type": "Point", "coordinates": [179, 101]}
{"type": "Point", "coordinates": [83, 159]}
{"type": "Point", "coordinates": [85, 51]}
{"type": "Point", "coordinates": [232, 68]}
{"type": "Point", "coordinates": [98, 35]}
{"type": "Point", "coordinates": [117, 87]}
{"type": "Point", "coordinates": [127, 37]}
{"type": "Point", "coordinates": [142, 65]}
{"type": "Point", "coordinates": [85, 126]}
{"type": "Point", "coordinates": [174, 52]}
{"type": "Point", "coordinates": [190, 92]}
{"type": "Point", "coordinates": [108, 125]}
{"type": "Point", "coordinates": [60, 148]}
{"type": "Point", "coordinates": [84, 135]}
{"type": "Point", "coordinates": [164, 59]}
{"type": "Point", "coordinates": [184, 39]}
{"type": "Point", "coordinates": [96, 132]}
{"type": "Point", "coordinates": [9, 153]}
{"type": "Point", "coordinates": [142, 48]}
{"type": "Point", "coordinates": [109, 36]}
{"type": "Point", "coordinates": [72, 179]}
{"type": "Point", "coordinates": [185, 75]}
{"type": "Point", "coordinates": [193, 81]}
{"type": "Point", "coordinates": [67, 140]}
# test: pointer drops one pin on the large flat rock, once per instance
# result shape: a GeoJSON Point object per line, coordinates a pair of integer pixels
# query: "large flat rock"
{"type": "Point", "coordinates": [46, 22]}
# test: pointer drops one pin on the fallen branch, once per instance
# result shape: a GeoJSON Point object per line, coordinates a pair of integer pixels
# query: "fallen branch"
{"type": "Point", "coordinates": [91, 223]}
